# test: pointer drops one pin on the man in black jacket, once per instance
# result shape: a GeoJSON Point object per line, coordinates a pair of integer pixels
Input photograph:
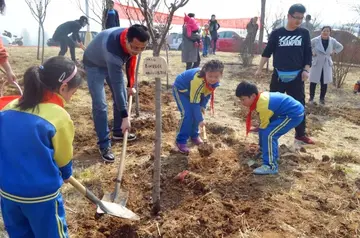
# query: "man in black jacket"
{"type": "Point", "coordinates": [292, 56]}
{"type": "Point", "coordinates": [62, 36]}
{"type": "Point", "coordinates": [110, 16]}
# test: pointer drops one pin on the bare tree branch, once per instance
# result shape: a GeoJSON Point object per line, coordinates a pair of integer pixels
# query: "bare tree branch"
{"type": "Point", "coordinates": [92, 6]}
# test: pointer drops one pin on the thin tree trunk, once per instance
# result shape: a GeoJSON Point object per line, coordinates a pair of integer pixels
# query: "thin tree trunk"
{"type": "Point", "coordinates": [157, 162]}
{"type": "Point", "coordinates": [262, 23]}
{"type": "Point", "coordinates": [167, 61]}
{"type": "Point", "coordinates": [38, 46]}
{"type": "Point", "coordinates": [137, 107]}
{"type": "Point", "coordinates": [43, 43]}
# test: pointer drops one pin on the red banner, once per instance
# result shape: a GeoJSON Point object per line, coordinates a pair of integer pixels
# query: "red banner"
{"type": "Point", "coordinates": [159, 17]}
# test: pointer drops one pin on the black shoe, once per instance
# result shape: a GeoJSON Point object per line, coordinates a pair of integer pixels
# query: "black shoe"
{"type": "Point", "coordinates": [118, 137]}
{"type": "Point", "coordinates": [107, 155]}
{"type": "Point", "coordinates": [322, 101]}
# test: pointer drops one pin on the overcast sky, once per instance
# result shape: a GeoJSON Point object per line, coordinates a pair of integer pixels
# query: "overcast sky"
{"type": "Point", "coordinates": [18, 17]}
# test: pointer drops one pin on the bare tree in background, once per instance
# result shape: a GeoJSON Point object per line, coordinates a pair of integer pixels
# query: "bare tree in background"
{"type": "Point", "coordinates": [96, 7]}
{"type": "Point", "coordinates": [262, 23]}
{"type": "Point", "coordinates": [148, 9]}
{"type": "Point", "coordinates": [38, 10]}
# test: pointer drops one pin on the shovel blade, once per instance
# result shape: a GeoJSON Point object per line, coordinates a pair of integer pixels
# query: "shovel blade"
{"type": "Point", "coordinates": [120, 198]}
{"type": "Point", "coordinates": [116, 210]}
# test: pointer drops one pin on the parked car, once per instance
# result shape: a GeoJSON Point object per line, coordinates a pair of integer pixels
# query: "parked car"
{"type": "Point", "coordinates": [51, 42]}
{"type": "Point", "coordinates": [174, 41]}
{"type": "Point", "coordinates": [230, 41]}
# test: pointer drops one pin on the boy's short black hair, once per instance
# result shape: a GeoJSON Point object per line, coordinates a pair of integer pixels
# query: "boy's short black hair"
{"type": "Point", "coordinates": [246, 89]}
{"type": "Point", "coordinates": [297, 8]}
{"type": "Point", "coordinates": [191, 15]}
{"type": "Point", "coordinates": [139, 32]}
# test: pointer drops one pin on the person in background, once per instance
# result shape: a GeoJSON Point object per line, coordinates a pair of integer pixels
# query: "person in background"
{"type": "Point", "coordinates": [190, 51]}
{"type": "Point", "coordinates": [308, 25]}
{"type": "Point", "coordinates": [291, 50]}
{"type": "Point", "coordinates": [323, 47]}
{"type": "Point", "coordinates": [252, 28]}
{"type": "Point", "coordinates": [192, 28]}
{"type": "Point", "coordinates": [4, 55]}
{"type": "Point", "coordinates": [62, 32]}
{"type": "Point", "coordinates": [214, 26]}
{"type": "Point", "coordinates": [206, 40]}
{"type": "Point", "coordinates": [110, 16]}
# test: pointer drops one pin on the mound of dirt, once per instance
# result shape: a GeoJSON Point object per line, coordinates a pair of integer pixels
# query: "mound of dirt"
{"type": "Point", "coordinates": [146, 121]}
{"type": "Point", "coordinates": [205, 149]}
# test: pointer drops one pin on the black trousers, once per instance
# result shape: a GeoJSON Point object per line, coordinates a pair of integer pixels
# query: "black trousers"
{"type": "Point", "coordinates": [191, 65]}
{"type": "Point", "coordinates": [66, 42]}
{"type": "Point", "coordinates": [323, 88]}
{"type": "Point", "coordinates": [296, 89]}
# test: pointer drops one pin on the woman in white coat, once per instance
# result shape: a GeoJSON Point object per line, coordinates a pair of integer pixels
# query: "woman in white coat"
{"type": "Point", "coordinates": [323, 47]}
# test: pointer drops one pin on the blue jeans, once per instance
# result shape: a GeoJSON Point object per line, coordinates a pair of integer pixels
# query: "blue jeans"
{"type": "Point", "coordinates": [95, 80]}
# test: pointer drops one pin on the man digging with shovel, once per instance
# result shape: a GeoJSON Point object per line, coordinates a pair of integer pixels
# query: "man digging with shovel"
{"type": "Point", "coordinates": [103, 59]}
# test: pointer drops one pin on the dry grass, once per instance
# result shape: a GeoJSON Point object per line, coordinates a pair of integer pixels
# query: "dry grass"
{"type": "Point", "coordinates": [220, 198]}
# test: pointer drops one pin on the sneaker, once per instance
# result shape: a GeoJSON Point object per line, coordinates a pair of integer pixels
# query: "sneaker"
{"type": "Point", "coordinates": [183, 148]}
{"type": "Point", "coordinates": [311, 101]}
{"type": "Point", "coordinates": [107, 155]}
{"type": "Point", "coordinates": [265, 170]}
{"type": "Point", "coordinates": [305, 140]}
{"type": "Point", "coordinates": [118, 137]}
{"type": "Point", "coordinates": [322, 101]}
{"type": "Point", "coordinates": [197, 141]}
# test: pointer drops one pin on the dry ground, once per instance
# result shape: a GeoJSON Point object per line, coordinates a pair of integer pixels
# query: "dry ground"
{"type": "Point", "coordinates": [316, 193]}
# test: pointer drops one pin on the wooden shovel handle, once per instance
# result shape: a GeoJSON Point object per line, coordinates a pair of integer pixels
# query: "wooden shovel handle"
{"type": "Point", "coordinates": [204, 133]}
{"type": "Point", "coordinates": [84, 191]}
{"type": "Point", "coordinates": [74, 182]}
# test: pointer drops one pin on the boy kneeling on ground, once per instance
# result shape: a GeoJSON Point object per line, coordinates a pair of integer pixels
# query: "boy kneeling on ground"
{"type": "Point", "coordinates": [278, 112]}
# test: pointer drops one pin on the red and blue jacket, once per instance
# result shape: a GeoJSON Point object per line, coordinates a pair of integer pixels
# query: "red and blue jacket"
{"type": "Point", "coordinates": [35, 150]}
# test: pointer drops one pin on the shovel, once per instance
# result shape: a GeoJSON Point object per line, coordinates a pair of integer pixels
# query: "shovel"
{"type": "Point", "coordinates": [205, 149]}
{"type": "Point", "coordinates": [112, 209]}
{"type": "Point", "coordinates": [119, 195]}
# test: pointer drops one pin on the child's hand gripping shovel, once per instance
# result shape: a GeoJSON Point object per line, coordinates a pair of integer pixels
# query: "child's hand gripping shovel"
{"type": "Point", "coordinates": [105, 207]}
{"type": "Point", "coordinates": [119, 195]}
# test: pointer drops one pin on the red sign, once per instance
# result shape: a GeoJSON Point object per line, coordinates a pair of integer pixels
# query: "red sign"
{"type": "Point", "coordinates": [159, 17]}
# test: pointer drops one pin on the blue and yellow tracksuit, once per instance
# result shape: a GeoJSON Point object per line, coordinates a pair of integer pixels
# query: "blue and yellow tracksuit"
{"type": "Point", "coordinates": [279, 113]}
{"type": "Point", "coordinates": [191, 95]}
{"type": "Point", "coordinates": [35, 157]}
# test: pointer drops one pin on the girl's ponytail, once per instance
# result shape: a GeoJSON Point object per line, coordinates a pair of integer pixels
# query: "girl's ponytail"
{"type": "Point", "coordinates": [34, 89]}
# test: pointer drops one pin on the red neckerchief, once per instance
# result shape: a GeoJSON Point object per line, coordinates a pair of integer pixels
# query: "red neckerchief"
{"type": "Point", "coordinates": [248, 118]}
{"type": "Point", "coordinates": [50, 97]}
{"type": "Point", "coordinates": [132, 60]}
{"type": "Point", "coordinates": [212, 90]}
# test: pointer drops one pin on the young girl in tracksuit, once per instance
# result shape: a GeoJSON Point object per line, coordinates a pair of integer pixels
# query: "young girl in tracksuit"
{"type": "Point", "coordinates": [36, 135]}
{"type": "Point", "coordinates": [192, 90]}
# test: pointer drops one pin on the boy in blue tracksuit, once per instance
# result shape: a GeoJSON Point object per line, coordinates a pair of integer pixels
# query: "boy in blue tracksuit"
{"type": "Point", "coordinates": [36, 136]}
{"type": "Point", "coordinates": [192, 91]}
{"type": "Point", "coordinates": [279, 113]}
